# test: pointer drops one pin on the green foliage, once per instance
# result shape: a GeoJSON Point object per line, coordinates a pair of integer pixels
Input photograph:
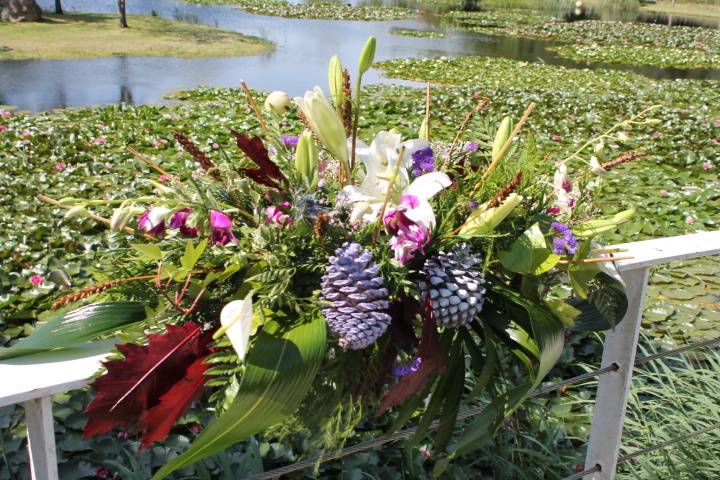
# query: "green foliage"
{"type": "Point", "coordinates": [326, 10]}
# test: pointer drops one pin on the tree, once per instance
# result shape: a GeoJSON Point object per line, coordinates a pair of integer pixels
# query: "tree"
{"type": "Point", "coordinates": [19, 11]}
{"type": "Point", "coordinates": [123, 16]}
{"type": "Point", "coordinates": [58, 7]}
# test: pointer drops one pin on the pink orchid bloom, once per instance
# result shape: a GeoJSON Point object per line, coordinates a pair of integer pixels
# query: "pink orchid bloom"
{"type": "Point", "coordinates": [221, 226]}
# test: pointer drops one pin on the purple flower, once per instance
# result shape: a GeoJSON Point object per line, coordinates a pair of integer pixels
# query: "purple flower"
{"type": "Point", "coordinates": [565, 242]}
{"type": "Point", "coordinates": [472, 147]}
{"type": "Point", "coordinates": [221, 227]}
{"type": "Point", "coordinates": [290, 141]}
{"type": "Point", "coordinates": [179, 221]}
{"type": "Point", "coordinates": [423, 161]}
{"type": "Point", "coordinates": [405, 370]}
{"type": "Point", "coordinates": [472, 204]}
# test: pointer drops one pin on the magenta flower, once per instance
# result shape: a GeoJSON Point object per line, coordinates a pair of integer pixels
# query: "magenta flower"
{"type": "Point", "coordinates": [26, 133]}
{"type": "Point", "coordinates": [221, 227]}
{"type": "Point", "coordinates": [100, 141]}
{"type": "Point", "coordinates": [663, 192]}
{"type": "Point", "coordinates": [274, 215]}
{"type": "Point", "coordinates": [215, 146]}
{"type": "Point", "coordinates": [36, 279]}
{"type": "Point", "coordinates": [60, 166]}
{"type": "Point", "coordinates": [3, 128]}
{"type": "Point", "coordinates": [707, 165]}
{"type": "Point", "coordinates": [179, 222]}
{"type": "Point", "coordinates": [409, 237]}
{"type": "Point", "coordinates": [714, 141]}
{"type": "Point", "coordinates": [6, 114]}
{"type": "Point", "coordinates": [153, 221]}
{"type": "Point", "coordinates": [556, 138]}
{"type": "Point", "coordinates": [163, 179]}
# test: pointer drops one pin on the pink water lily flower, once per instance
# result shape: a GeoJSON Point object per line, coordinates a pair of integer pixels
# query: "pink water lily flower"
{"type": "Point", "coordinates": [36, 279]}
{"type": "Point", "coordinates": [221, 227]}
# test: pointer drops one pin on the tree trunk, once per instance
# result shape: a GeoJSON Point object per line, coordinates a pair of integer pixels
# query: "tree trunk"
{"type": "Point", "coordinates": [58, 7]}
{"type": "Point", "coordinates": [123, 16]}
{"type": "Point", "coordinates": [19, 11]}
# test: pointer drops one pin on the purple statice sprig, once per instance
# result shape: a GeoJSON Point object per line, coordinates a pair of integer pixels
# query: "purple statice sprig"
{"type": "Point", "coordinates": [565, 241]}
{"type": "Point", "coordinates": [409, 369]}
{"type": "Point", "coordinates": [290, 141]}
{"type": "Point", "coordinates": [423, 161]}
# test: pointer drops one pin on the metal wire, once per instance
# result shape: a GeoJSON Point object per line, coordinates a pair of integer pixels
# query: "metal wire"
{"type": "Point", "coordinates": [646, 450]}
{"type": "Point", "coordinates": [402, 434]}
{"type": "Point", "coordinates": [578, 475]}
{"type": "Point", "coordinates": [667, 443]}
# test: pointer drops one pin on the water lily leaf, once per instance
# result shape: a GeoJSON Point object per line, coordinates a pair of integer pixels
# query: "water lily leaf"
{"type": "Point", "coordinates": [78, 326]}
{"type": "Point", "coordinates": [280, 368]}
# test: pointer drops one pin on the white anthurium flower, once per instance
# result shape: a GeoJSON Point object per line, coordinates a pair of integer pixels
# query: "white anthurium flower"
{"type": "Point", "coordinates": [596, 168]}
{"type": "Point", "coordinates": [236, 320]}
{"type": "Point", "coordinates": [383, 167]}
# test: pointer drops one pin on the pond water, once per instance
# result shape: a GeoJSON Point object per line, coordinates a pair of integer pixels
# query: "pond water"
{"type": "Point", "coordinates": [298, 63]}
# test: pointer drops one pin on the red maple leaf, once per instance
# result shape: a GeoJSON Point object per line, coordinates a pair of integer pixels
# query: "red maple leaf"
{"type": "Point", "coordinates": [433, 361]}
{"type": "Point", "coordinates": [150, 377]}
{"type": "Point", "coordinates": [267, 173]}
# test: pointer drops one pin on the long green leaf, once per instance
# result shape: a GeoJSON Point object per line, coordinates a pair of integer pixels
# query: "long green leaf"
{"type": "Point", "coordinates": [280, 368]}
{"type": "Point", "coordinates": [78, 326]}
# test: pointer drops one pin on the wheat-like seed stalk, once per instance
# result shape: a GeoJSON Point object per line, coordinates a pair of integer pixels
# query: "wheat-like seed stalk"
{"type": "Point", "coordinates": [96, 288]}
{"type": "Point", "coordinates": [199, 156]}
{"type": "Point", "coordinates": [347, 103]}
{"type": "Point", "coordinates": [628, 157]}
{"type": "Point", "coordinates": [505, 192]}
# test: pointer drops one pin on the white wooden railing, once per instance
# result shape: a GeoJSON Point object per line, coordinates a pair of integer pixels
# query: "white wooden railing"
{"type": "Point", "coordinates": [32, 384]}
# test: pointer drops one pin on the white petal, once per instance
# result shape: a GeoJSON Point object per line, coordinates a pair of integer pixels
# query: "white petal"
{"type": "Point", "coordinates": [426, 186]}
{"type": "Point", "coordinates": [412, 146]}
{"type": "Point", "coordinates": [237, 318]}
{"type": "Point", "coordinates": [422, 214]}
{"type": "Point", "coordinates": [157, 216]}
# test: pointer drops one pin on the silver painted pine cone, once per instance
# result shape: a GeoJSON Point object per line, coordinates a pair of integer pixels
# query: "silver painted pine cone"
{"type": "Point", "coordinates": [454, 283]}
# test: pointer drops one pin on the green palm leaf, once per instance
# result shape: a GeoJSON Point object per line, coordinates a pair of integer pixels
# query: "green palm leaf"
{"type": "Point", "coordinates": [280, 368]}
{"type": "Point", "coordinates": [78, 326]}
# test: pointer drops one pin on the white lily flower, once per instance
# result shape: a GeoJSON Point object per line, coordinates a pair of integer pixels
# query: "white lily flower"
{"type": "Point", "coordinates": [383, 167]}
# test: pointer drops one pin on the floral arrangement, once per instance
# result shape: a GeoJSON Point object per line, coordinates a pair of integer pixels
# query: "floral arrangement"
{"type": "Point", "coordinates": [308, 281]}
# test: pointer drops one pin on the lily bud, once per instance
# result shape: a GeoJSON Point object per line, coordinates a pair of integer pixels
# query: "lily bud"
{"type": "Point", "coordinates": [424, 132]}
{"type": "Point", "coordinates": [75, 211]}
{"type": "Point", "coordinates": [486, 221]}
{"type": "Point", "coordinates": [120, 218]}
{"type": "Point", "coordinates": [367, 56]}
{"type": "Point", "coordinates": [277, 101]}
{"type": "Point", "coordinates": [326, 124]}
{"type": "Point", "coordinates": [596, 168]}
{"type": "Point", "coordinates": [306, 158]}
{"type": "Point", "coordinates": [502, 135]}
{"type": "Point", "coordinates": [335, 81]}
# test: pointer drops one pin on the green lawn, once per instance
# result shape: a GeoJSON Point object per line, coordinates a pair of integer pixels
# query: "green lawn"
{"type": "Point", "coordinates": [94, 35]}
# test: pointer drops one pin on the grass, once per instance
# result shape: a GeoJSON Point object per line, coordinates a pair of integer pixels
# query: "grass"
{"type": "Point", "coordinates": [710, 8]}
{"type": "Point", "coordinates": [72, 36]}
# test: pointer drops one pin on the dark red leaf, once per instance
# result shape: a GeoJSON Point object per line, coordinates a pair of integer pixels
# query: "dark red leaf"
{"type": "Point", "coordinates": [173, 404]}
{"type": "Point", "coordinates": [433, 361]}
{"type": "Point", "coordinates": [136, 384]}
{"type": "Point", "coordinates": [267, 173]}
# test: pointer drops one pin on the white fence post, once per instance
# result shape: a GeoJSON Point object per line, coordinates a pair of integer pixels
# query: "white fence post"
{"type": "Point", "coordinates": [41, 439]}
{"type": "Point", "coordinates": [614, 387]}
